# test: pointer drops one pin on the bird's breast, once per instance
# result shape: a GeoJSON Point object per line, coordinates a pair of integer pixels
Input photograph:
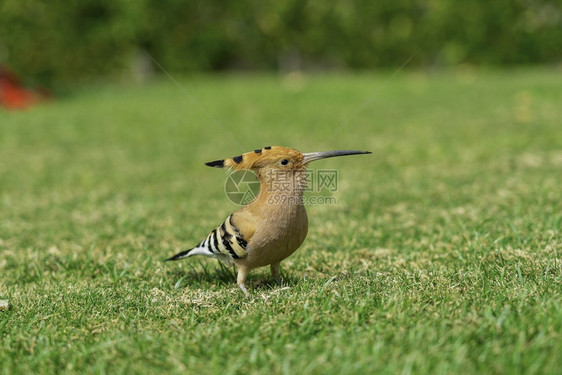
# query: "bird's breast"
{"type": "Point", "coordinates": [279, 234]}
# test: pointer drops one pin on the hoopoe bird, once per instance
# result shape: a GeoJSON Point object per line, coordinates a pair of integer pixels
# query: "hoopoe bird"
{"type": "Point", "coordinates": [272, 226]}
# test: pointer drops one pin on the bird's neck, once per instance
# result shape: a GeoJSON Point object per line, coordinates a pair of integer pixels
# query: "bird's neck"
{"type": "Point", "coordinates": [280, 188]}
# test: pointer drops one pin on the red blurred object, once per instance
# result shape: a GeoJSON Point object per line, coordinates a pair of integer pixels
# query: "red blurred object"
{"type": "Point", "coordinates": [13, 95]}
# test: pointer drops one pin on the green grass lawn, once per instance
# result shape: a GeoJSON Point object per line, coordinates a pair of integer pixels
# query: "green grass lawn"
{"type": "Point", "coordinates": [442, 254]}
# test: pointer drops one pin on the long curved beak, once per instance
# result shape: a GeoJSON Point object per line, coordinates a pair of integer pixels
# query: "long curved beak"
{"type": "Point", "coordinates": [312, 156]}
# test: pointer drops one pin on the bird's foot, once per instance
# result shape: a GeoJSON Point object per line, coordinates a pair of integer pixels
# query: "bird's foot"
{"type": "Point", "coordinates": [243, 288]}
{"type": "Point", "coordinates": [276, 273]}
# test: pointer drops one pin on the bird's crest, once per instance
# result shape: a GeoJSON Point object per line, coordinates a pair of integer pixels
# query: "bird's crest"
{"type": "Point", "coordinates": [258, 158]}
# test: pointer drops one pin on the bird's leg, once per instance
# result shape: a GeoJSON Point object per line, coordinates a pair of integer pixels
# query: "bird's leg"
{"type": "Point", "coordinates": [243, 288]}
{"type": "Point", "coordinates": [276, 272]}
{"type": "Point", "coordinates": [241, 280]}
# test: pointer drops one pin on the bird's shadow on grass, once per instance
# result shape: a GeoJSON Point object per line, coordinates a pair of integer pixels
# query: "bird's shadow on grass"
{"type": "Point", "coordinates": [224, 275]}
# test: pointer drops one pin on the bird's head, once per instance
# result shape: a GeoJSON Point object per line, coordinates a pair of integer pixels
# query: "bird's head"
{"type": "Point", "coordinates": [277, 158]}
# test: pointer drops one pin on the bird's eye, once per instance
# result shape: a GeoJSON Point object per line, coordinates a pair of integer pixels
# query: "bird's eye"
{"type": "Point", "coordinates": [284, 162]}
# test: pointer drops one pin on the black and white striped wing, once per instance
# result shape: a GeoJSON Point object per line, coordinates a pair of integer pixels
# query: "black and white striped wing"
{"type": "Point", "coordinates": [225, 243]}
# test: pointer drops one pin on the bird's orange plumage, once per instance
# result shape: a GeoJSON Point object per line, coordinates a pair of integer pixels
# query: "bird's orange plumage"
{"type": "Point", "coordinates": [274, 225]}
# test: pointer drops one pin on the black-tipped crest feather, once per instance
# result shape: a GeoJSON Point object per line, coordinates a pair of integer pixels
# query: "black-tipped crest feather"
{"type": "Point", "coordinates": [216, 163]}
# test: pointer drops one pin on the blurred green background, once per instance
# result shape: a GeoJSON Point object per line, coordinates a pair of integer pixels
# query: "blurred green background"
{"type": "Point", "coordinates": [60, 43]}
{"type": "Point", "coordinates": [441, 256]}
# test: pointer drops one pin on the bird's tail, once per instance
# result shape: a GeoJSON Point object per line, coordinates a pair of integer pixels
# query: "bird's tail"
{"type": "Point", "coordinates": [180, 255]}
{"type": "Point", "coordinates": [201, 249]}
